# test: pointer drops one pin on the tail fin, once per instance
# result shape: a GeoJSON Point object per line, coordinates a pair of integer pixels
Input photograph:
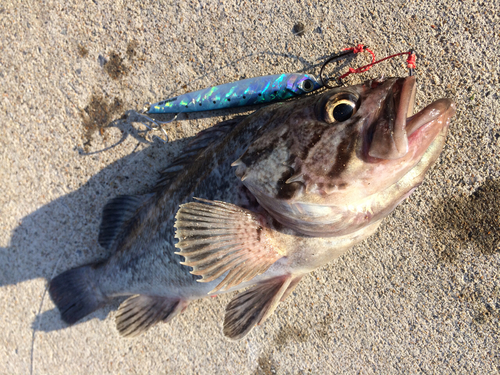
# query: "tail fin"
{"type": "Point", "coordinates": [76, 293]}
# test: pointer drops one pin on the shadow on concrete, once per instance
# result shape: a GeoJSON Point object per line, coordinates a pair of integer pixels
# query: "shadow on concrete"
{"type": "Point", "coordinates": [63, 233]}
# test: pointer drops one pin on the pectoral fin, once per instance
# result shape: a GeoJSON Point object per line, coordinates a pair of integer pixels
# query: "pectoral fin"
{"type": "Point", "coordinates": [217, 237]}
{"type": "Point", "coordinates": [254, 306]}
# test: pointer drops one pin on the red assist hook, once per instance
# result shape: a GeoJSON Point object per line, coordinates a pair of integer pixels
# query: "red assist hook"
{"type": "Point", "coordinates": [411, 63]}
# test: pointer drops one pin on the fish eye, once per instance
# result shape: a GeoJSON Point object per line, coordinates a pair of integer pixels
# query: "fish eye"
{"type": "Point", "coordinates": [340, 107]}
{"type": "Point", "coordinates": [343, 110]}
{"type": "Point", "coordinates": [307, 85]}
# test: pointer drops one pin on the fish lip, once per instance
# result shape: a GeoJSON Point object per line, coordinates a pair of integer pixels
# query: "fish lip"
{"type": "Point", "coordinates": [433, 128]}
{"type": "Point", "coordinates": [394, 142]}
{"type": "Point", "coordinates": [429, 115]}
{"type": "Point", "coordinates": [429, 122]}
{"type": "Point", "coordinates": [389, 139]}
{"type": "Point", "coordinates": [405, 108]}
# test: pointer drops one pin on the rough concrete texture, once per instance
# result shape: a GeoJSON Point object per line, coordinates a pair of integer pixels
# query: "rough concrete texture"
{"type": "Point", "coordinates": [421, 295]}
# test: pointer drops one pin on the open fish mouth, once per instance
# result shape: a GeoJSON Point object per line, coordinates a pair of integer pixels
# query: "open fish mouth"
{"type": "Point", "coordinates": [399, 134]}
{"type": "Point", "coordinates": [428, 115]}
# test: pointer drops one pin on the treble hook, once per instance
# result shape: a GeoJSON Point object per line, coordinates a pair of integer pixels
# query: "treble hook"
{"type": "Point", "coordinates": [156, 124]}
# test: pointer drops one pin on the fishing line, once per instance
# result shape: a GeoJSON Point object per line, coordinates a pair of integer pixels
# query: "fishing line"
{"type": "Point", "coordinates": [411, 63]}
{"type": "Point", "coordinates": [351, 50]}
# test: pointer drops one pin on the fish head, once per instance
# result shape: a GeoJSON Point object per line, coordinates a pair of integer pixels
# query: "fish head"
{"type": "Point", "coordinates": [330, 164]}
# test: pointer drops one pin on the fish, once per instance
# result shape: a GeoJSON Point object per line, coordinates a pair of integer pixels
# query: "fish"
{"type": "Point", "coordinates": [256, 203]}
{"type": "Point", "coordinates": [246, 92]}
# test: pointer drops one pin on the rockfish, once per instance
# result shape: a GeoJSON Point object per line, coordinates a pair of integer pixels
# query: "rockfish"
{"type": "Point", "coordinates": [259, 202]}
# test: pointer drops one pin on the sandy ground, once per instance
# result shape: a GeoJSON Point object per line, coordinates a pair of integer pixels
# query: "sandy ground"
{"type": "Point", "coordinates": [421, 295]}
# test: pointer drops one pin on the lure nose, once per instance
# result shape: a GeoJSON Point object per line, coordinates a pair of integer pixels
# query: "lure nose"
{"type": "Point", "coordinates": [390, 140]}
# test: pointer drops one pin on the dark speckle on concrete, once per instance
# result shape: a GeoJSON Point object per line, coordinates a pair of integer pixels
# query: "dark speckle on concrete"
{"type": "Point", "coordinates": [473, 219]}
{"type": "Point", "coordinates": [266, 365]}
{"type": "Point", "coordinates": [132, 49]}
{"type": "Point", "coordinates": [115, 66]}
{"type": "Point", "coordinates": [82, 51]}
{"type": "Point", "coordinates": [97, 115]}
{"type": "Point", "coordinates": [299, 29]}
{"type": "Point", "coordinates": [102, 60]}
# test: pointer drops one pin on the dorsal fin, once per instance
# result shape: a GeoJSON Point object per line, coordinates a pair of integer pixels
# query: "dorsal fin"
{"type": "Point", "coordinates": [116, 213]}
{"type": "Point", "coordinates": [200, 142]}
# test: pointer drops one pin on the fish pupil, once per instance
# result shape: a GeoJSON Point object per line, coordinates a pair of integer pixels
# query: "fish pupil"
{"type": "Point", "coordinates": [342, 112]}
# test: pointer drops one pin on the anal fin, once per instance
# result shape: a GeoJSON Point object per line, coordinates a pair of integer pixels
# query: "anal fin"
{"type": "Point", "coordinates": [140, 312]}
{"type": "Point", "coordinates": [254, 306]}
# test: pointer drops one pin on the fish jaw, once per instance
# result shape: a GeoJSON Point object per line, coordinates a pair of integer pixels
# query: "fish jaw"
{"type": "Point", "coordinates": [389, 138]}
{"type": "Point", "coordinates": [339, 182]}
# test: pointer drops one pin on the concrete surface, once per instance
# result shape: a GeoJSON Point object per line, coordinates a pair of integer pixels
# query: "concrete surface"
{"type": "Point", "coordinates": [422, 295]}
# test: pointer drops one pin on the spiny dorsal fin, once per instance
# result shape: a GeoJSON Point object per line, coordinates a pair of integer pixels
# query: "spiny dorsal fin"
{"type": "Point", "coordinates": [253, 306]}
{"type": "Point", "coordinates": [116, 213]}
{"type": "Point", "coordinates": [200, 142]}
{"type": "Point", "coordinates": [216, 237]}
{"type": "Point", "coordinates": [140, 312]}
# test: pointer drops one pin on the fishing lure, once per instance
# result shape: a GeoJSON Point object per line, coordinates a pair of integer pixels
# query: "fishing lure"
{"type": "Point", "coordinates": [257, 90]}
{"type": "Point", "coordinates": [249, 91]}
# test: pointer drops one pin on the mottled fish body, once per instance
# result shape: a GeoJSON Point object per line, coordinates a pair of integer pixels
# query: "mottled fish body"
{"type": "Point", "coordinates": [251, 91]}
{"type": "Point", "coordinates": [259, 202]}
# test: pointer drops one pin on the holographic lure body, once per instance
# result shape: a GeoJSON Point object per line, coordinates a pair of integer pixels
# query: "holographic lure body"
{"type": "Point", "coordinates": [249, 91]}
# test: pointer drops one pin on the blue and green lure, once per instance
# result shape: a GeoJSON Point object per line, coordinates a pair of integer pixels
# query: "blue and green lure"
{"type": "Point", "coordinates": [249, 91]}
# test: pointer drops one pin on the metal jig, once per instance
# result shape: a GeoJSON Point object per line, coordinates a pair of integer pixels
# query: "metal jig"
{"type": "Point", "coordinates": [250, 91]}
{"type": "Point", "coordinates": [257, 90]}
